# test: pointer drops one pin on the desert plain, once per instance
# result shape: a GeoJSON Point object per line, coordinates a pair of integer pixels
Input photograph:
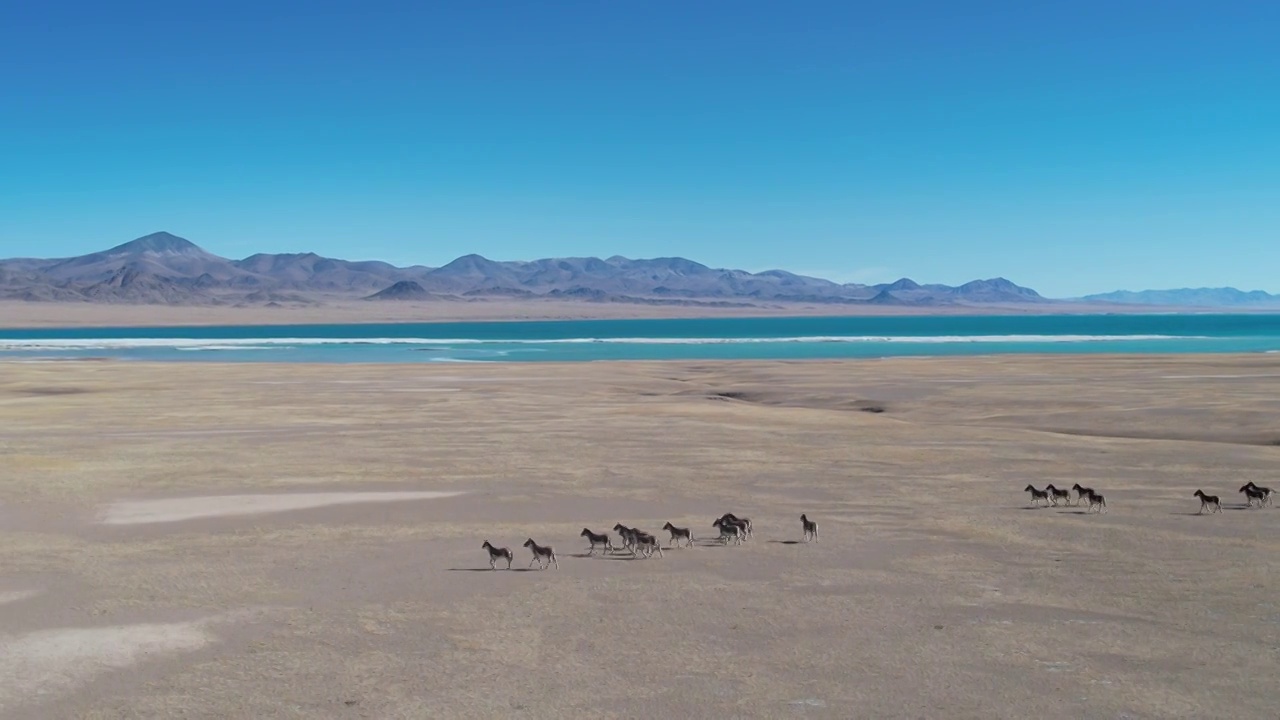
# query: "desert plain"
{"type": "Point", "coordinates": [304, 541]}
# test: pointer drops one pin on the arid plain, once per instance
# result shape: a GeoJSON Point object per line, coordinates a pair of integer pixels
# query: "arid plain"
{"type": "Point", "coordinates": [130, 587]}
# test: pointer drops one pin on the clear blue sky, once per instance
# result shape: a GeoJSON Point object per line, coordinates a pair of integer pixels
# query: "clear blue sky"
{"type": "Point", "coordinates": [1078, 147]}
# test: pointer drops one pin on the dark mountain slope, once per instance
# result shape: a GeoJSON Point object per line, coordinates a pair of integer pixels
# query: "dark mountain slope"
{"type": "Point", "coordinates": [165, 268]}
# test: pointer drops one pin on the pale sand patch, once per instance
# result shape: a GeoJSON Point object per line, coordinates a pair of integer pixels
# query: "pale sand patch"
{"type": "Point", "coordinates": [133, 512]}
{"type": "Point", "coordinates": [13, 596]}
{"type": "Point", "coordinates": [39, 663]}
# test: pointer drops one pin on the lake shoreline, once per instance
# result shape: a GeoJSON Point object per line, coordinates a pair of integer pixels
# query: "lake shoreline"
{"type": "Point", "coordinates": [18, 315]}
{"type": "Point", "coordinates": [653, 339]}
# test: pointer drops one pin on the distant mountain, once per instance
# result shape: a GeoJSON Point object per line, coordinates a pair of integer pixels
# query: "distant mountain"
{"type": "Point", "coordinates": [1189, 297]}
{"type": "Point", "coordinates": [160, 253]}
{"type": "Point", "coordinates": [311, 271]}
{"type": "Point", "coordinates": [167, 269]}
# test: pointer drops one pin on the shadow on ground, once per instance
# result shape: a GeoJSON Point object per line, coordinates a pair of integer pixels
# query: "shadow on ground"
{"type": "Point", "coordinates": [485, 569]}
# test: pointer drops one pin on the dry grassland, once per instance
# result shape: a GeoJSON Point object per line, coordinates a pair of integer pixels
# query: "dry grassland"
{"type": "Point", "coordinates": [934, 592]}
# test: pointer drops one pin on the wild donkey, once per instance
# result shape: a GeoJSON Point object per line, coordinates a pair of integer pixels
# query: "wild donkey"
{"type": "Point", "coordinates": [1210, 501]}
{"type": "Point", "coordinates": [677, 533]}
{"type": "Point", "coordinates": [809, 528]}
{"type": "Point", "coordinates": [1252, 493]}
{"type": "Point", "coordinates": [744, 523]}
{"type": "Point", "coordinates": [1037, 495]}
{"type": "Point", "coordinates": [1055, 494]}
{"type": "Point", "coordinates": [648, 544]}
{"type": "Point", "coordinates": [1268, 495]}
{"type": "Point", "coordinates": [1264, 495]}
{"type": "Point", "coordinates": [628, 537]}
{"type": "Point", "coordinates": [1096, 500]}
{"type": "Point", "coordinates": [1081, 492]}
{"type": "Point", "coordinates": [495, 553]}
{"type": "Point", "coordinates": [601, 539]}
{"type": "Point", "coordinates": [542, 554]}
{"type": "Point", "coordinates": [729, 529]}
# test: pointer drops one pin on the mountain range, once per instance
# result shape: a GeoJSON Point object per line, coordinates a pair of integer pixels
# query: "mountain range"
{"type": "Point", "coordinates": [162, 268]}
{"type": "Point", "coordinates": [1190, 297]}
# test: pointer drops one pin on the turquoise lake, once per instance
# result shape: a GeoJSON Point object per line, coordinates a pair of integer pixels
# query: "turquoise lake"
{"type": "Point", "coordinates": [799, 338]}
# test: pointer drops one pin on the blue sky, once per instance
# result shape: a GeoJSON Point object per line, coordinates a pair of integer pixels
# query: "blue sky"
{"type": "Point", "coordinates": [1072, 147]}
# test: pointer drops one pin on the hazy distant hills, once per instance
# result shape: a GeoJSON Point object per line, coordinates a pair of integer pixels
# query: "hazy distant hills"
{"type": "Point", "coordinates": [166, 269]}
{"type": "Point", "coordinates": [1225, 297]}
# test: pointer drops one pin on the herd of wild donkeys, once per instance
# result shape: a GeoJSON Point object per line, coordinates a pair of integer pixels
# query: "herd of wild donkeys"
{"type": "Point", "coordinates": [641, 543]}
{"type": "Point", "coordinates": [1051, 495]}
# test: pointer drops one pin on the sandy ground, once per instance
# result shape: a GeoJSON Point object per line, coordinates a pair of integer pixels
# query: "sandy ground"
{"type": "Point", "coordinates": [164, 510]}
{"type": "Point", "coordinates": [15, 314]}
{"type": "Point", "coordinates": [935, 592]}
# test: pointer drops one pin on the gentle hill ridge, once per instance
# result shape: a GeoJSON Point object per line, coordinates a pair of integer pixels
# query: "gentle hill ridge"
{"type": "Point", "coordinates": [1189, 297]}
